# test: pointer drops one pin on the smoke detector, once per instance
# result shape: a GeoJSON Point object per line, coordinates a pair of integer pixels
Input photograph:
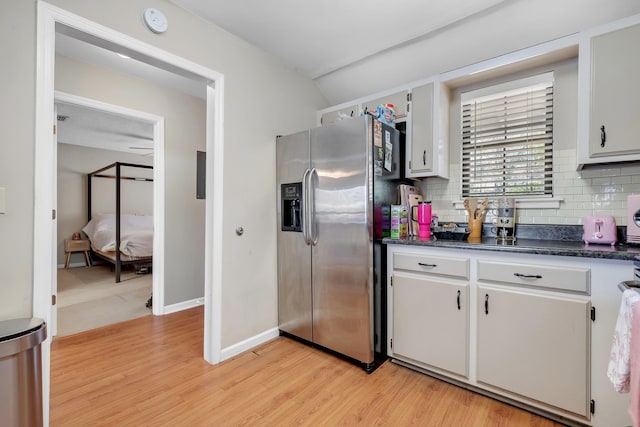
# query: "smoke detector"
{"type": "Point", "coordinates": [155, 20]}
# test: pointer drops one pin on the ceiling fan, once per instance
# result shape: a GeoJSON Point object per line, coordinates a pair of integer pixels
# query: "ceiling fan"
{"type": "Point", "coordinates": [150, 149]}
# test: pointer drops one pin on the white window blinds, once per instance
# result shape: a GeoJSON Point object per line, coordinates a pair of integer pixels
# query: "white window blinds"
{"type": "Point", "coordinates": [507, 139]}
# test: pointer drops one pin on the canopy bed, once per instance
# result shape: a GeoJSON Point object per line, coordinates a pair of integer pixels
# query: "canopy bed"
{"type": "Point", "coordinates": [119, 238]}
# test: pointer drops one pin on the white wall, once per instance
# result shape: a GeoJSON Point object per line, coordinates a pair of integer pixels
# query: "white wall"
{"type": "Point", "coordinates": [17, 109]}
{"type": "Point", "coordinates": [74, 163]}
{"type": "Point", "coordinates": [262, 99]}
{"type": "Point", "coordinates": [510, 26]}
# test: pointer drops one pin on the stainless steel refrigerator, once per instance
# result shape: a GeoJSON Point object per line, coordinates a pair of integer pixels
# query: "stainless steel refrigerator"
{"type": "Point", "coordinates": [332, 182]}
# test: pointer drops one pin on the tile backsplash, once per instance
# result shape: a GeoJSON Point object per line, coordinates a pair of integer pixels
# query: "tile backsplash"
{"type": "Point", "coordinates": [595, 190]}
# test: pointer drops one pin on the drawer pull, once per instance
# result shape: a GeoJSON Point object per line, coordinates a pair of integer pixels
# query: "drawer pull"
{"type": "Point", "coordinates": [458, 299]}
{"type": "Point", "coordinates": [528, 276]}
{"type": "Point", "coordinates": [422, 264]}
{"type": "Point", "coordinates": [486, 303]}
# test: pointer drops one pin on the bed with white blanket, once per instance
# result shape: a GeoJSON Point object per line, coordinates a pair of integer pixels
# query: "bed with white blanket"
{"type": "Point", "coordinates": [136, 235]}
{"type": "Point", "coordinates": [131, 234]}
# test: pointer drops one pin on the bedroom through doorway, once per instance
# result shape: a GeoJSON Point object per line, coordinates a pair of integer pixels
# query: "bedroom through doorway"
{"type": "Point", "coordinates": [90, 136]}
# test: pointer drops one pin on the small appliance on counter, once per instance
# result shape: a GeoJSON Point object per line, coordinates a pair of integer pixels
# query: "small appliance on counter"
{"type": "Point", "coordinates": [633, 218]}
{"type": "Point", "coordinates": [506, 220]}
{"type": "Point", "coordinates": [599, 229]}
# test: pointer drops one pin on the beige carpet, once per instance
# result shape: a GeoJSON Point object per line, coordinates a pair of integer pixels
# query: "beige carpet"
{"type": "Point", "coordinates": [89, 298]}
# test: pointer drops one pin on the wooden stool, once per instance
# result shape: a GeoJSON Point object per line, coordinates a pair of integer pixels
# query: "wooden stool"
{"type": "Point", "coordinates": [71, 246]}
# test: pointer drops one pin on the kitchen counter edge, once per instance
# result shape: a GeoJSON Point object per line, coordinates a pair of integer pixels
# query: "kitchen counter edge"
{"type": "Point", "coordinates": [529, 246]}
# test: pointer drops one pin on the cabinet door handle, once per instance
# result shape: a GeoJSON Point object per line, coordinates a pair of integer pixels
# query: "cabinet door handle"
{"type": "Point", "coordinates": [424, 158]}
{"type": "Point", "coordinates": [528, 276]}
{"type": "Point", "coordinates": [422, 264]}
{"type": "Point", "coordinates": [458, 299]}
{"type": "Point", "coordinates": [603, 136]}
{"type": "Point", "coordinates": [486, 303]}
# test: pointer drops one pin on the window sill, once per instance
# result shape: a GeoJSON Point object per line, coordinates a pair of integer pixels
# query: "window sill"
{"type": "Point", "coordinates": [524, 203]}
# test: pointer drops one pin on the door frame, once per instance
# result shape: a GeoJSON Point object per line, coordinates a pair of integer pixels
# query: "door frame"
{"type": "Point", "coordinates": [44, 259]}
{"type": "Point", "coordinates": [158, 189]}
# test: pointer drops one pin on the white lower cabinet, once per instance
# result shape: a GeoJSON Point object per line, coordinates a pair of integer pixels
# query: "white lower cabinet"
{"type": "Point", "coordinates": [421, 307]}
{"type": "Point", "coordinates": [536, 346]}
{"type": "Point", "coordinates": [511, 325]}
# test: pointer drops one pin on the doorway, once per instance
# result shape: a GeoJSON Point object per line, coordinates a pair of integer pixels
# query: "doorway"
{"type": "Point", "coordinates": [90, 135]}
{"type": "Point", "coordinates": [49, 20]}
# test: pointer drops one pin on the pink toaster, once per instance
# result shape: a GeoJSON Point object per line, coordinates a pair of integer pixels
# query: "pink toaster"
{"type": "Point", "coordinates": [599, 229]}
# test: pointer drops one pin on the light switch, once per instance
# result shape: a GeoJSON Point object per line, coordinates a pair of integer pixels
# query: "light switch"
{"type": "Point", "coordinates": [2, 207]}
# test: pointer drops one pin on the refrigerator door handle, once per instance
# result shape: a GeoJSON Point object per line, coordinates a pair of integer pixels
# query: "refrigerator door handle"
{"type": "Point", "coordinates": [313, 230]}
{"type": "Point", "coordinates": [305, 207]}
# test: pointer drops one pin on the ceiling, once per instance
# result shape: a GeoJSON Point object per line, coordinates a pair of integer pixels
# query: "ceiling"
{"type": "Point", "coordinates": [92, 128]}
{"type": "Point", "coordinates": [340, 32]}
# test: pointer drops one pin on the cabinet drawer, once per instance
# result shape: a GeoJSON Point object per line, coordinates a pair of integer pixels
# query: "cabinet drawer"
{"type": "Point", "coordinates": [449, 266]}
{"type": "Point", "coordinates": [542, 276]}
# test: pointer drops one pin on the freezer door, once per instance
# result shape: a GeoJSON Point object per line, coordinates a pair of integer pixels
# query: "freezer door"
{"type": "Point", "coordinates": [342, 257]}
{"type": "Point", "coordinates": [294, 255]}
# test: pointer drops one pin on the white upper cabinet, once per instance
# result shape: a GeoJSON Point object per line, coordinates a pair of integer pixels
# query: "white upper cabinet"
{"type": "Point", "coordinates": [615, 93]}
{"type": "Point", "coordinates": [427, 132]}
{"type": "Point", "coordinates": [420, 130]}
{"type": "Point", "coordinates": [342, 113]}
{"type": "Point", "coordinates": [608, 128]}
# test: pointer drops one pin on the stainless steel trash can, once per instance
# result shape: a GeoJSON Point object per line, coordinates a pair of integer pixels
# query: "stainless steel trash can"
{"type": "Point", "coordinates": [21, 371]}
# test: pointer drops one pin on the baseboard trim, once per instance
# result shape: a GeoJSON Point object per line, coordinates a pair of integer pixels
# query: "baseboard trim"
{"type": "Point", "coordinates": [234, 349]}
{"type": "Point", "coordinates": [184, 305]}
{"type": "Point", "coordinates": [249, 343]}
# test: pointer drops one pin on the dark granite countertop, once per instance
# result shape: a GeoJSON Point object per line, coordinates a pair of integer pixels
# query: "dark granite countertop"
{"type": "Point", "coordinates": [565, 245]}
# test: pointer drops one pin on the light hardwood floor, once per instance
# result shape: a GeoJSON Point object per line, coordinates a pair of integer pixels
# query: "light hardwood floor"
{"type": "Point", "coordinates": [150, 371]}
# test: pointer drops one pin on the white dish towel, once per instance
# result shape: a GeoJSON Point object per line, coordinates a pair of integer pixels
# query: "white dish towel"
{"type": "Point", "coordinates": [620, 359]}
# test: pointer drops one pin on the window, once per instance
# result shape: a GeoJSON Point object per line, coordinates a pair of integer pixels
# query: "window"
{"type": "Point", "coordinates": [507, 139]}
